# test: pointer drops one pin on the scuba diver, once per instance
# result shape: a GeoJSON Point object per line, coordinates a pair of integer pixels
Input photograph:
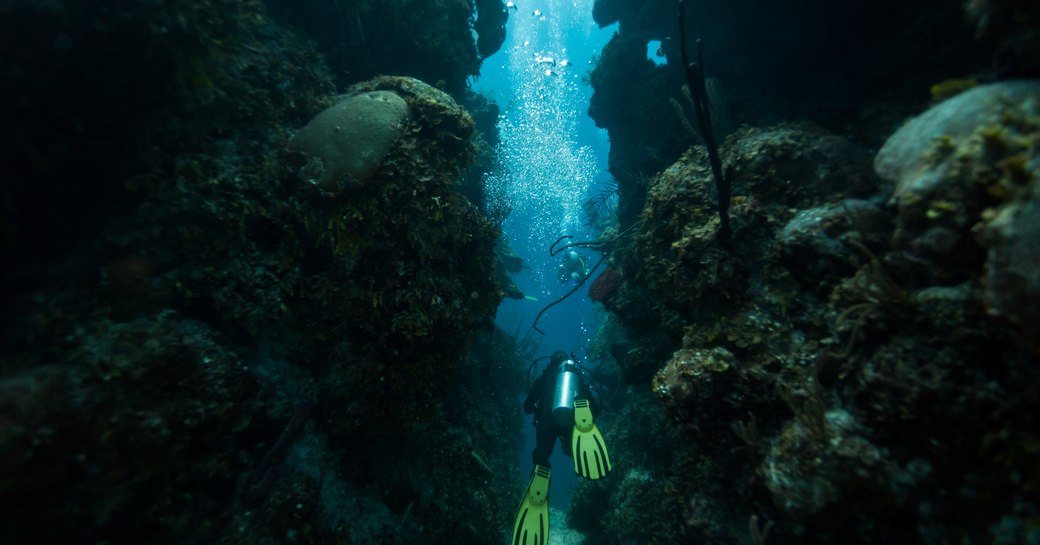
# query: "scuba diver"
{"type": "Point", "coordinates": [573, 268]}
{"type": "Point", "coordinates": [563, 407]}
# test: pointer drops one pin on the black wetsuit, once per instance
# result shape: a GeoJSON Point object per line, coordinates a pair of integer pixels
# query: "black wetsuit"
{"type": "Point", "coordinates": [539, 402]}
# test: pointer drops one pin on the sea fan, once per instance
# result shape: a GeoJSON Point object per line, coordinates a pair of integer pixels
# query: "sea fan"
{"type": "Point", "coordinates": [601, 206]}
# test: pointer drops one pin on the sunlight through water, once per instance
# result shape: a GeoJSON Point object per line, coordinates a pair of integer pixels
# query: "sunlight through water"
{"type": "Point", "coordinates": [547, 172]}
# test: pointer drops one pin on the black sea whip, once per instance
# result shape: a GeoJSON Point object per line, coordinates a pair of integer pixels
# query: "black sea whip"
{"type": "Point", "coordinates": [695, 80]}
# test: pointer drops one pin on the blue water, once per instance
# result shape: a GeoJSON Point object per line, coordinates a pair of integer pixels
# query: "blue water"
{"type": "Point", "coordinates": [553, 157]}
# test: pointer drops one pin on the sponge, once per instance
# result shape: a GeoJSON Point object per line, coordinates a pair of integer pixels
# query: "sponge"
{"type": "Point", "coordinates": [345, 144]}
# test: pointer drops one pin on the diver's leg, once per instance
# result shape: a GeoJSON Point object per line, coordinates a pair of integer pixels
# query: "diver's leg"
{"type": "Point", "coordinates": [565, 441]}
{"type": "Point", "coordinates": [545, 437]}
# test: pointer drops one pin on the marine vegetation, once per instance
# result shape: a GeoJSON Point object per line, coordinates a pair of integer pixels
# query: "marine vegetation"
{"type": "Point", "coordinates": [601, 207]}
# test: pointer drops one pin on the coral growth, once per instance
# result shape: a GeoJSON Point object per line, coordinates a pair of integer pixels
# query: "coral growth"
{"type": "Point", "coordinates": [966, 193]}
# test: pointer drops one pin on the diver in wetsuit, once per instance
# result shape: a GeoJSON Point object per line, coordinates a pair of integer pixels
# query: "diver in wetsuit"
{"type": "Point", "coordinates": [549, 422]}
{"type": "Point", "coordinates": [573, 268]}
{"type": "Point", "coordinates": [562, 404]}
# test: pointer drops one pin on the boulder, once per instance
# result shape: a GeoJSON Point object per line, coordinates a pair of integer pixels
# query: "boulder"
{"type": "Point", "coordinates": [344, 145]}
{"type": "Point", "coordinates": [968, 192]}
{"type": "Point", "coordinates": [913, 157]}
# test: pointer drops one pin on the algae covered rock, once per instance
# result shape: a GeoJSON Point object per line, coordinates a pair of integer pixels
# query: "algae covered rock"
{"type": "Point", "coordinates": [822, 473]}
{"type": "Point", "coordinates": [966, 188]}
{"type": "Point", "coordinates": [345, 144]}
{"type": "Point", "coordinates": [919, 155]}
{"type": "Point", "coordinates": [814, 243]}
{"type": "Point", "coordinates": [797, 164]}
{"type": "Point", "coordinates": [438, 132]}
{"type": "Point", "coordinates": [775, 171]}
{"type": "Point", "coordinates": [1013, 262]}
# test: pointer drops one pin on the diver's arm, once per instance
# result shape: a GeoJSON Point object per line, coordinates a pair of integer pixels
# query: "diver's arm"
{"type": "Point", "coordinates": [533, 395]}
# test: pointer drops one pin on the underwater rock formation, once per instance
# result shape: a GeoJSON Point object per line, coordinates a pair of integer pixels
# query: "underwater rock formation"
{"type": "Point", "coordinates": [127, 418]}
{"type": "Point", "coordinates": [75, 131]}
{"type": "Point", "coordinates": [811, 244]}
{"type": "Point", "coordinates": [430, 40]}
{"type": "Point", "coordinates": [814, 370]}
{"type": "Point", "coordinates": [1012, 29]}
{"type": "Point", "coordinates": [490, 26]}
{"type": "Point", "coordinates": [644, 131]}
{"type": "Point", "coordinates": [776, 171]}
{"type": "Point", "coordinates": [861, 365]}
{"type": "Point", "coordinates": [199, 348]}
{"type": "Point", "coordinates": [605, 12]}
{"type": "Point", "coordinates": [822, 476]}
{"type": "Point", "coordinates": [966, 192]}
{"type": "Point", "coordinates": [907, 156]}
{"type": "Point", "coordinates": [1012, 279]}
{"type": "Point", "coordinates": [840, 66]}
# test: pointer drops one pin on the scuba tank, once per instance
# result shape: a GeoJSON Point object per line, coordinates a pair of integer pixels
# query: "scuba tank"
{"type": "Point", "coordinates": [567, 383]}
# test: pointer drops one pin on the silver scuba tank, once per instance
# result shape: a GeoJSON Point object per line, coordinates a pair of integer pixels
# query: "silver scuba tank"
{"type": "Point", "coordinates": [567, 381]}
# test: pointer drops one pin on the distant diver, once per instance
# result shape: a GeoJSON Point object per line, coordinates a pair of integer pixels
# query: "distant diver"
{"type": "Point", "coordinates": [598, 245]}
{"type": "Point", "coordinates": [573, 268]}
{"type": "Point", "coordinates": [563, 407]}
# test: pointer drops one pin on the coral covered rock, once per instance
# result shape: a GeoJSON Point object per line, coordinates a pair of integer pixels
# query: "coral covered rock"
{"type": "Point", "coordinates": [707, 391]}
{"type": "Point", "coordinates": [226, 336]}
{"type": "Point", "coordinates": [439, 128]}
{"type": "Point", "coordinates": [693, 376]}
{"type": "Point", "coordinates": [920, 155]}
{"type": "Point", "coordinates": [822, 475]}
{"type": "Point", "coordinates": [797, 164]}
{"type": "Point", "coordinates": [1012, 239]}
{"type": "Point", "coordinates": [814, 243]}
{"type": "Point", "coordinates": [775, 171]}
{"type": "Point", "coordinates": [1012, 27]}
{"type": "Point", "coordinates": [898, 336]}
{"type": "Point", "coordinates": [966, 174]}
{"type": "Point", "coordinates": [345, 144]}
{"type": "Point", "coordinates": [138, 411]}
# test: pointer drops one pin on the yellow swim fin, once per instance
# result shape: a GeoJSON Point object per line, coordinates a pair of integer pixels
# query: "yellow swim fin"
{"type": "Point", "coordinates": [587, 446]}
{"type": "Point", "coordinates": [531, 526]}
